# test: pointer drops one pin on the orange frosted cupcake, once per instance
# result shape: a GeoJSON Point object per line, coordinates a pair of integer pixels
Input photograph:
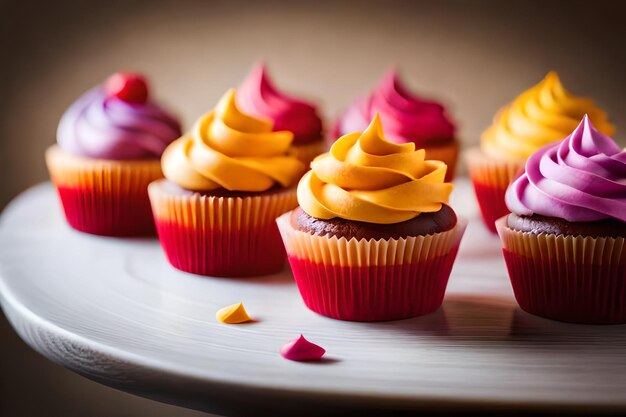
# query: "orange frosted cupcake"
{"type": "Point", "coordinates": [541, 115]}
{"type": "Point", "coordinates": [109, 147]}
{"type": "Point", "coordinates": [373, 238]}
{"type": "Point", "coordinates": [226, 182]}
{"type": "Point", "coordinates": [258, 96]}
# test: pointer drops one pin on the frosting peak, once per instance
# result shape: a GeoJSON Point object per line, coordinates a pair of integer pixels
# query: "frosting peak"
{"type": "Point", "coordinates": [407, 118]}
{"type": "Point", "coordinates": [366, 178]}
{"type": "Point", "coordinates": [233, 314]}
{"type": "Point", "coordinates": [104, 126]}
{"type": "Point", "coordinates": [543, 114]}
{"type": "Point", "coordinates": [301, 349]}
{"type": "Point", "coordinates": [581, 179]}
{"type": "Point", "coordinates": [258, 96]}
{"type": "Point", "coordinates": [229, 149]}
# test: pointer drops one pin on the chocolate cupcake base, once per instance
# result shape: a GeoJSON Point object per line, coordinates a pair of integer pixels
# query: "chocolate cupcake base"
{"type": "Point", "coordinates": [422, 225]}
{"type": "Point", "coordinates": [541, 224]}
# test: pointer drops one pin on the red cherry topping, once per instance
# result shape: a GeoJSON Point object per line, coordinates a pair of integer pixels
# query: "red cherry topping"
{"type": "Point", "coordinates": [127, 86]}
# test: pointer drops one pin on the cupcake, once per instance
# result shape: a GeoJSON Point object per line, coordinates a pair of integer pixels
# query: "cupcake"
{"type": "Point", "coordinates": [109, 146]}
{"type": "Point", "coordinates": [407, 119]}
{"type": "Point", "coordinates": [544, 114]}
{"type": "Point", "coordinates": [227, 181]}
{"type": "Point", "coordinates": [565, 239]}
{"type": "Point", "coordinates": [373, 238]}
{"type": "Point", "coordinates": [258, 96]}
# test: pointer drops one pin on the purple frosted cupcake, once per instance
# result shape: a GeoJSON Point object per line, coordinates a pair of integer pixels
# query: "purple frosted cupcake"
{"type": "Point", "coordinates": [564, 241]}
{"type": "Point", "coordinates": [109, 146]}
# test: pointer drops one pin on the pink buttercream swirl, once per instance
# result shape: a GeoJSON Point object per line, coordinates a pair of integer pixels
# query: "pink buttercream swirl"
{"type": "Point", "coordinates": [581, 179]}
{"type": "Point", "coordinates": [258, 96]}
{"type": "Point", "coordinates": [406, 117]}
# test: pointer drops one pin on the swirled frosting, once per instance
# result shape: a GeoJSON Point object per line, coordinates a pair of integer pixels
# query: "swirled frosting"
{"type": "Point", "coordinates": [367, 178]}
{"type": "Point", "coordinates": [581, 179]}
{"type": "Point", "coordinates": [102, 126]}
{"type": "Point", "coordinates": [232, 150]}
{"type": "Point", "coordinates": [258, 96]}
{"type": "Point", "coordinates": [406, 117]}
{"type": "Point", "coordinates": [543, 114]}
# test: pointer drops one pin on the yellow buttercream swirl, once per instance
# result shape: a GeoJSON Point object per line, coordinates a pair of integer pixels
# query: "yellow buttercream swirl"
{"type": "Point", "coordinates": [541, 115]}
{"type": "Point", "coordinates": [366, 178]}
{"type": "Point", "coordinates": [229, 149]}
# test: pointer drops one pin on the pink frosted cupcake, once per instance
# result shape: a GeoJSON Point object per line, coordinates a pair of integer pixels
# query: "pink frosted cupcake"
{"type": "Point", "coordinates": [109, 146]}
{"type": "Point", "coordinates": [258, 96]}
{"type": "Point", "coordinates": [565, 240]}
{"type": "Point", "coordinates": [407, 119]}
{"type": "Point", "coordinates": [373, 238]}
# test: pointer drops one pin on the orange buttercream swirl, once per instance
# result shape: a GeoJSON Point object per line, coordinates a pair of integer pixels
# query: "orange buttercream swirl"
{"type": "Point", "coordinates": [544, 114]}
{"type": "Point", "coordinates": [366, 178]}
{"type": "Point", "coordinates": [229, 149]}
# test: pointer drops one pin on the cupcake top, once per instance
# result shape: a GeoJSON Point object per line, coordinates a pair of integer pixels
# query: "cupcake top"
{"type": "Point", "coordinates": [117, 121]}
{"type": "Point", "coordinates": [581, 179]}
{"type": "Point", "coordinates": [367, 178]}
{"type": "Point", "coordinates": [543, 114]}
{"type": "Point", "coordinates": [406, 117]}
{"type": "Point", "coordinates": [227, 149]}
{"type": "Point", "coordinates": [258, 96]}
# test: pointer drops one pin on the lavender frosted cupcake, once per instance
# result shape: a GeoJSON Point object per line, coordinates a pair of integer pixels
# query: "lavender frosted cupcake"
{"type": "Point", "coordinates": [109, 146]}
{"type": "Point", "coordinates": [564, 242]}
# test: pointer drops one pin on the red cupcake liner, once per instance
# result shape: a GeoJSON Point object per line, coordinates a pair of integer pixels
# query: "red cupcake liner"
{"type": "Point", "coordinates": [222, 253]}
{"type": "Point", "coordinates": [491, 203]}
{"type": "Point", "coordinates": [103, 197]}
{"type": "Point", "coordinates": [567, 278]}
{"type": "Point", "coordinates": [220, 236]}
{"type": "Point", "coordinates": [490, 179]}
{"type": "Point", "coordinates": [371, 280]}
{"type": "Point", "coordinates": [373, 293]}
{"type": "Point", "coordinates": [107, 214]}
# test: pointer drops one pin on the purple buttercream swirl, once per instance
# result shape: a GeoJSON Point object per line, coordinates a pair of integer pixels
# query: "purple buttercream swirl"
{"type": "Point", "coordinates": [581, 179]}
{"type": "Point", "coordinates": [103, 127]}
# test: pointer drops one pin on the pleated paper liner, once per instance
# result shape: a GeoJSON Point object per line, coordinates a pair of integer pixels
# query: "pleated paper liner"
{"type": "Point", "coordinates": [490, 179]}
{"type": "Point", "coordinates": [447, 153]}
{"type": "Point", "coordinates": [371, 280]}
{"type": "Point", "coordinates": [308, 151]}
{"type": "Point", "coordinates": [104, 197]}
{"type": "Point", "coordinates": [220, 236]}
{"type": "Point", "coordinates": [567, 278]}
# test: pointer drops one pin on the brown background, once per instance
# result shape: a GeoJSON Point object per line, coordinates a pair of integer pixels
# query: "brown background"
{"type": "Point", "coordinates": [474, 56]}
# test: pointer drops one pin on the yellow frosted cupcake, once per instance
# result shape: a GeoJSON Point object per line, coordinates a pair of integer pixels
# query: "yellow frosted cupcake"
{"type": "Point", "coordinates": [541, 115]}
{"type": "Point", "coordinates": [226, 182]}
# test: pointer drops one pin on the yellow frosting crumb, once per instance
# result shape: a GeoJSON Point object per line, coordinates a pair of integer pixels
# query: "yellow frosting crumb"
{"type": "Point", "coordinates": [233, 314]}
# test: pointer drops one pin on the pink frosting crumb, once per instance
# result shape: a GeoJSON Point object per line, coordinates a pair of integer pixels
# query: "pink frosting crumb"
{"type": "Point", "coordinates": [301, 349]}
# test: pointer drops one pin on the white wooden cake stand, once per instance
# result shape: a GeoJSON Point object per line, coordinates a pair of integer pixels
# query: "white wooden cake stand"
{"type": "Point", "coordinates": [114, 311]}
